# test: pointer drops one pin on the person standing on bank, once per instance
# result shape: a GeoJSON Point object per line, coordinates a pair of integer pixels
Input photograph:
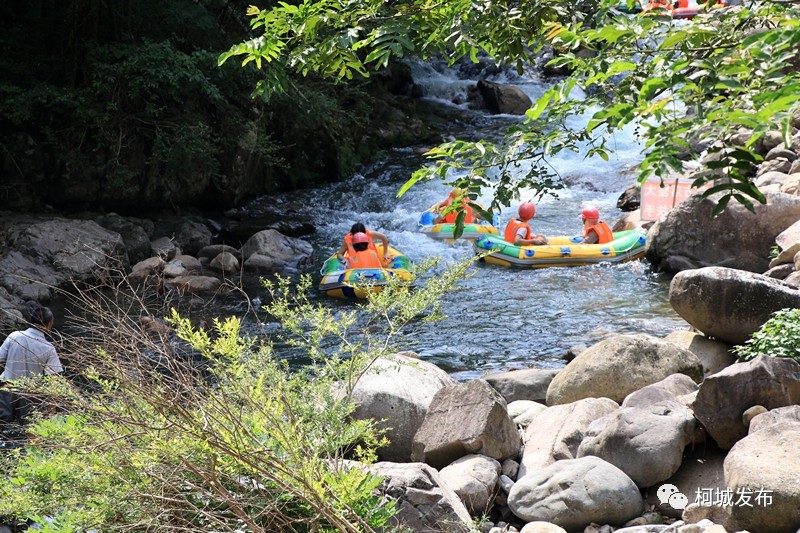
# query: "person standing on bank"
{"type": "Point", "coordinates": [26, 354]}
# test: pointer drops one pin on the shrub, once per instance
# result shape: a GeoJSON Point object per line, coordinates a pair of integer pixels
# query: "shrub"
{"type": "Point", "coordinates": [201, 430]}
{"type": "Point", "coordinates": [778, 337]}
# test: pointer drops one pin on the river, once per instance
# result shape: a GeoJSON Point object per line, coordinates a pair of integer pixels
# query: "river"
{"type": "Point", "coordinates": [502, 318]}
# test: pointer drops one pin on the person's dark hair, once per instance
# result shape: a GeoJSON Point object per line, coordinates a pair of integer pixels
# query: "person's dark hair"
{"type": "Point", "coordinates": [358, 227]}
{"type": "Point", "coordinates": [41, 316]}
{"type": "Point", "coordinates": [360, 246]}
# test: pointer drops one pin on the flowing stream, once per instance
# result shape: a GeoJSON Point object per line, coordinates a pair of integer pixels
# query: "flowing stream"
{"type": "Point", "coordinates": [502, 318]}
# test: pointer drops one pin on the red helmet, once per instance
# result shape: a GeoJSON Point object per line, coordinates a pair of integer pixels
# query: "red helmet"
{"type": "Point", "coordinates": [590, 213]}
{"type": "Point", "coordinates": [360, 237]}
{"type": "Point", "coordinates": [527, 211]}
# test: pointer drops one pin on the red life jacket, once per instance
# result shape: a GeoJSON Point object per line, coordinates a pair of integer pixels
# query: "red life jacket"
{"type": "Point", "coordinates": [450, 218]}
{"type": "Point", "coordinates": [604, 233]}
{"type": "Point", "coordinates": [513, 226]}
{"type": "Point", "coordinates": [348, 240]}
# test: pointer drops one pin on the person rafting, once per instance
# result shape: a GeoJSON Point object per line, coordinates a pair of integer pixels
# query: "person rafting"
{"type": "Point", "coordinates": [360, 255]}
{"type": "Point", "coordinates": [518, 231]}
{"type": "Point", "coordinates": [595, 231]}
{"type": "Point", "coordinates": [470, 216]}
{"type": "Point", "coordinates": [371, 235]}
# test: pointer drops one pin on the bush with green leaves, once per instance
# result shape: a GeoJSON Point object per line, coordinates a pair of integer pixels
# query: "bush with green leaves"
{"type": "Point", "coordinates": [191, 429]}
{"type": "Point", "coordinates": [778, 337]}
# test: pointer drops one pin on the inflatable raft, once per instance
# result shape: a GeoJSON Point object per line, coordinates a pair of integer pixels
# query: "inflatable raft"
{"type": "Point", "coordinates": [339, 281]}
{"type": "Point", "coordinates": [445, 231]}
{"type": "Point", "coordinates": [561, 251]}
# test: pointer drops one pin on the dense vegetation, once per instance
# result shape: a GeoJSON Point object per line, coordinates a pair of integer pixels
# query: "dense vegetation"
{"type": "Point", "coordinates": [778, 337]}
{"type": "Point", "coordinates": [188, 429]}
{"type": "Point", "coordinates": [122, 105]}
{"type": "Point", "coordinates": [730, 73]}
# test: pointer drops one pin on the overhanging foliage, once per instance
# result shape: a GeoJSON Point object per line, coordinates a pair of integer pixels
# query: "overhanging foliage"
{"type": "Point", "coordinates": [686, 85]}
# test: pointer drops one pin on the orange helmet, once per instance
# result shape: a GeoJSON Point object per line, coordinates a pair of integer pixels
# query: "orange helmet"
{"type": "Point", "coordinates": [590, 213]}
{"type": "Point", "coordinates": [527, 211]}
{"type": "Point", "coordinates": [360, 237]}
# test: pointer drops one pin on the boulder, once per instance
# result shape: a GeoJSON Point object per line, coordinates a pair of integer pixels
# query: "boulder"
{"type": "Point", "coordinates": [195, 284]}
{"type": "Point", "coordinates": [396, 392]}
{"type": "Point", "coordinates": [619, 365]}
{"type": "Point", "coordinates": [714, 355]}
{"type": "Point", "coordinates": [506, 99]}
{"type": "Point", "coordinates": [789, 236]}
{"type": "Point", "coordinates": [645, 442]}
{"type": "Point", "coordinates": [527, 384]}
{"type": "Point", "coordinates": [573, 493]}
{"type": "Point", "coordinates": [723, 397]}
{"type": "Point", "coordinates": [215, 249]}
{"type": "Point", "coordinates": [192, 235]}
{"type": "Point", "coordinates": [670, 388]}
{"type": "Point", "coordinates": [225, 263]}
{"type": "Point", "coordinates": [271, 251]}
{"type": "Point", "coordinates": [462, 419]}
{"type": "Point", "coordinates": [763, 469]}
{"type": "Point", "coordinates": [727, 304]}
{"type": "Point", "coordinates": [474, 479]}
{"type": "Point", "coordinates": [423, 499]}
{"type": "Point", "coordinates": [163, 247]}
{"type": "Point", "coordinates": [556, 433]}
{"type": "Point", "coordinates": [700, 478]}
{"type": "Point", "coordinates": [175, 268]}
{"type": "Point", "coordinates": [56, 252]}
{"type": "Point", "coordinates": [541, 527]}
{"type": "Point", "coordinates": [688, 237]}
{"type": "Point", "coordinates": [779, 415]}
{"type": "Point", "coordinates": [631, 198]}
{"type": "Point", "coordinates": [524, 419]}
{"type": "Point", "coordinates": [135, 234]}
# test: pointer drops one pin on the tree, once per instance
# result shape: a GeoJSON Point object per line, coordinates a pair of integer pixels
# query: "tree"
{"type": "Point", "coordinates": [725, 78]}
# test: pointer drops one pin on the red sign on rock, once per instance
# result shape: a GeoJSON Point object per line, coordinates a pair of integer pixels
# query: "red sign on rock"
{"type": "Point", "coordinates": [658, 200]}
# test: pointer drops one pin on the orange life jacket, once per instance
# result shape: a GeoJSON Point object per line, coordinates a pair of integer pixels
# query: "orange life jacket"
{"type": "Point", "coordinates": [366, 259]}
{"type": "Point", "coordinates": [604, 233]}
{"type": "Point", "coordinates": [513, 226]}
{"type": "Point", "coordinates": [450, 218]}
{"type": "Point", "coordinates": [348, 240]}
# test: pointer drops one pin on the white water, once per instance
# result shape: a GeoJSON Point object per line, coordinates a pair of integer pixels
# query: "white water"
{"type": "Point", "coordinates": [502, 318]}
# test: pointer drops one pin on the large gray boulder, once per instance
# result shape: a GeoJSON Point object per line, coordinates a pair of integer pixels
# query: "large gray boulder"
{"type": "Point", "coordinates": [271, 251]}
{"type": "Point", "coordinates": [713, 354]}
{"type": "Point", "coordinates": [396, 392]}
{"type": "Point", "coordinates": [764, 466]}
{"type": "Point", "coordinates": [463, 419]}
{"type": "Point", "coordinates": [135, 234]}
{"type": "Point", "coordinates": [525, 384]}
{"type": "Point", "coordinates": [727, 304]}
{"type": "Point", "coordinates": [619, 365]}
{"type": "Point", "coordinates": [424, 500]}
{"type": "Point", "coordinates": [670, 388]}
{"type": "Point", "coordinates": [474, 479]}
{"type": "Point", "coordinates": [556, 432]}
{"type": "Point", "coordinates": [576, 492]}
{"type": "Point", "coordinates": [688, 237]}
{"type": "Point", "coordinates": [646, 442]}
{"type": "Point", "coordinates": [55, 252]}
{"type": "Point", "coordinates": [725, 396]}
